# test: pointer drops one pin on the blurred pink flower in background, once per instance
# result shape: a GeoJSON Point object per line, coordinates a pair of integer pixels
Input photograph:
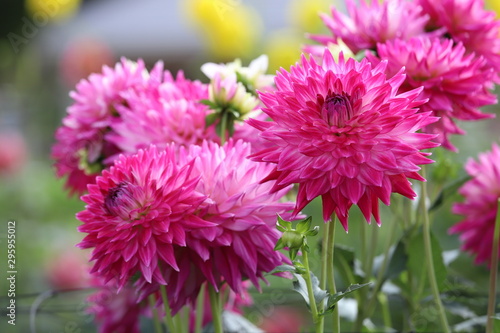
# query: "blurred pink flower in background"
{"type": "Point", "coordinates": [455, 83]}
{"type": "Point", "coordinates": [479, 207]}
{"type": "Point", "coordinates": [83, 57]}
{"type": "Point", "coordinates": [13, 152]}
{"type": "Point", "coordinates": [69, 270]}
{"type": "Point", "coordinates": [284, 319]}
{"type": "Point", "coordinates": [341, 131]}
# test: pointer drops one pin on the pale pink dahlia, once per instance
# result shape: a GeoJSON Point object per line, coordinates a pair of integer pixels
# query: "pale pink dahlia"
{"type": "Point", "coordinates": [116, 311]}
{"type": "Point", "coordinates": [456, 84]}
{"type": "Point", "coordinates": [238, 243]}
{"type": "Point", "coordinates": [137, 212]}
{"type": "Point", "coordinates": [81, 150]}
{"type": "Point", "coordinates": [341, 131]}
{"type": "Point", "coordinates": [467, 22]}
{"type": "Point", "coordinates": [479, 208]}
{"type": "Point", "coordinates": [372, 22]}
{"type": "Point", "coordinates": [170, 113]}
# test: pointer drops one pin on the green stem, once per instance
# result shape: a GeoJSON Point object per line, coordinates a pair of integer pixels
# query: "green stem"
{"type": "Point", "coordinates": [156, 317]}
{"type": "Point", "coordinates": [330, 271]}
{"type": "Point", "coordinates": [380, 276]}
{"type": "Point", "coordinates": [386, 312]}
{"type": "Point", "coordinates": [223, 128]}
{"type": "Point", "coordinates": [168, 313]}
{"type": "Point", "coordinates": [429, 259]}
{"type": "Point", "coordinates": [200, 302]}
{"type": "Point", "coordinates": [493, 274]}
{"type": "Point", "coordinates": [322, 280]}
{"type": "Point", "coordinates": [179, 322]}
{"type": "Point", "coordinates": [216, 309]}
{"type": "Point", "coordinates": [312, 301]}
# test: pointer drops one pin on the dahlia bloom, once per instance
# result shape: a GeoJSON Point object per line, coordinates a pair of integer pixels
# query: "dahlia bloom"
{"type": "Point", "coordinates": [479, 208]}
{"type": "Point", "coordinates": [469, 23]}
{"type": "Point", "coordinates": [373, 22]}
{"type": "Point", "coordinates": [341, 131]}
{"type": "Point", "coordinates": [240, 213]}
{"type": "Point", "coordinates": [81, 150]}
{"type": "Point", "coordinates": [456, 84]}
{"type": "Point", "coordinates": [136, 212]}
{"type": "Point", "coordinates": [170, 113]}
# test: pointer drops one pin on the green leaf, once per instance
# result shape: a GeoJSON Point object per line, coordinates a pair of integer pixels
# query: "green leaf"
{"type": "Point", "coordinates": [416, 261]}
{"type": "Point", "coordinates": [335, 298]}
{"type": "Point", "coordinates": [448, 191]}
{"type": "Point", "coordinates": [304, 225]}
{"type": "Point", "coordinates": [283, 268]}
{"type": "Point", "coordinates": [293, 253]}
{"type": "Point", "coordinates": [300, 286]}
{"type": "Point", "coordinates": [343, 258]}
{"type": "Point", "coordinates": [285, 224]}
{"type": "Point", "coordinates": [313, 232]}
{"type": "Point", "coordinates": [209, 103]}
{"type": "Point", "coordinates": [279, 245]}
{"type": "Point", "coordinates": [397, 262]}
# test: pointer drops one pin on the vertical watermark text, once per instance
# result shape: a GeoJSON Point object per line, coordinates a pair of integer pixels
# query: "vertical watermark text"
{"type": "Point", "coordinates": [11, 272]}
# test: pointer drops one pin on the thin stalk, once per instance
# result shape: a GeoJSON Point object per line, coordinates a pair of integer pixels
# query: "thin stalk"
{"type": "Point", "coordinates": [428, 257]}
{"type": "Point", "coordinates": [319, 324]}
{"type": "Point", "coordinates": [380, 276]}
{"type": "Point", "coordinates": [216, 309]}
{"type": "Point", "coordinates": [330, 271]}
{"type": "Point", "coordinates": [178, 320]}
{"type": "Point", "coordinates": [322, 280]}
{"type": "Point", "coordinates": [493, 274]}
{"type": "Point", "coordinates": [200, 302]}
{"type": "Point", "coordinates": [386, 312]}
{"type": "Point", "coordinates": [223, 126]}
{"type": "Point", "coordinates": [168, 312]}
{"type": "Point", "coordinates": [156, 317]}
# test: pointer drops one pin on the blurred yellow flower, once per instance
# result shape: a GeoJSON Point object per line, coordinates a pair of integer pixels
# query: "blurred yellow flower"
{"type": "Point", "coordinates": [494, 5]}
{"type": "Point", "coordinates": [305, 14]}
{"type": "Point", "coordinates": [283, 48]}
{"type": "Point", "coordinates": [230, 29]}
{"type": "Point", "coordinates": [52, 10]}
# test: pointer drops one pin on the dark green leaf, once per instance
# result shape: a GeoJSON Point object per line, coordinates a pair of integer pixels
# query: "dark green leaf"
{"type": "Point", "coordinates": [313, 232]}
{"type": "Point", "coordinates": [209, 103]}
{"type": "Point", "coordinates": [333, 299]}
{"type": "Point", "coordinates": [397, 261]}
{"type": "Point", "coordinates": [293, 253]}
{"type": "Point", "coordinates": [300, 286]}
{"type": "Point", "coordinates": [417, 260]}
{"type": "Point", "coordinates": [448, 191]}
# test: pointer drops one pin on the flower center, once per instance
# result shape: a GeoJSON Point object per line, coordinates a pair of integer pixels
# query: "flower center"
{"type": "Point", "coordinates": [337, 109]}
{"type": "Point", "coordinates": [121, 201]}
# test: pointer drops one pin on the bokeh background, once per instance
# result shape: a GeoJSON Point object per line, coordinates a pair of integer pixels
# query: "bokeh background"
{"type": "Point", "coordinates": [47, 46]}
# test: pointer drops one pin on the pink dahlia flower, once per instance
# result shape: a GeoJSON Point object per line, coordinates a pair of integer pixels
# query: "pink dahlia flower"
{"type": "Point", "coordinates": [170, 113]}
{"type": "Point", "coordinates": [240, 212]}
{"type": "Point", "coordinates": [467, 22]}
{"type": "Point", "coordinates": [81, 150]}
{"type": "Point", "coordinates": [341, 131]}
{"type": "Point", "coordinates": [137, 212]}
{"type": "Point", "coordinates": [373, 22]}
{"type": "Point", "coordinates": [455, 83]}
{"type": "Point", "coordinates": [479, 208]}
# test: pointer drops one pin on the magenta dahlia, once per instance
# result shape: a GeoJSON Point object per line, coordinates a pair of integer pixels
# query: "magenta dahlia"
{"type": "Point", "coordinates": [373, 22]}
{"type": "Point", "coordinates": [81, 150]}
{"type": "Point", "coordinates": [469, 23]}
{"type": "Point", "coordinates": [341, 131]}
{"type": "Point", "coordinates": [137, 212]}
{"type": "Point", "coordinates": [479, 208]}
{"type": "Point", "coordinates": [238, 243]}
{"type": "Point", "coordinates": [456, 84]}
{"type": "Point", "coordinates": [170, 113]}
